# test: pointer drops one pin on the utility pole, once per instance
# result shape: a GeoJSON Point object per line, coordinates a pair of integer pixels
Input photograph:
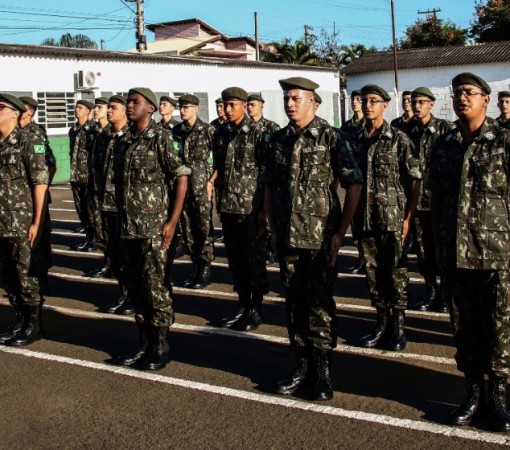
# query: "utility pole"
{"type": "Point", "coordinates": [102, 44]}
{"type": "Point", "coordinates": [257, 55]}
{"type": "Point", "coordinates": [307, 28]}
{"type": "Point", "coordinates": [395, 64]}
{"type": "Point", "coordinates": [141, 41]}
{"type": "Point", "coordinates": [430, 11]}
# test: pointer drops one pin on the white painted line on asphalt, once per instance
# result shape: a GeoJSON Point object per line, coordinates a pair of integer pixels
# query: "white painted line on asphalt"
{"type": "Point", "coordinates": [60, 188]}
{"type": "Point", "coordinates": [63, 209]}
{"type": "Point", "coordinates": [67, 233]}
{"type": "Point", "coordinates": [68, 201]}
{"type": "Point", "coordinates": [65, 220]}
{"type": "Point", "coordinates": [413, 425]}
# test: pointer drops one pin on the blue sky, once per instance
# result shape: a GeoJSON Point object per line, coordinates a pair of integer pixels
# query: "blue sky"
{"type": "Point", "coordinates": [367, 22]}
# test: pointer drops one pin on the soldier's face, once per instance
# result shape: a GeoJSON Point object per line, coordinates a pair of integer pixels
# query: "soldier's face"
{"type": "Point", "coordinates": [188, 112]}
{"type": "Point", "coordinates": [504, 105]}
{"type": "Point", "coordinates": [406, 103]}
{"type": "Point", "coordinates": [422, 106]}
{"type": "Point", "coordinates": [373, 106]}
{"type": "Point", "coordinates": [81, 112]}
{"type": "Point", "coordinates": [100, 111]}
{"type": "Point", "coordinates": [469, 101]}
{"type": "Point", "coordinates": [166, 108]}
{"type": "Point", "coordinates": [356, 103]}
{"type": "Point", "coordinates": [26, 117]}
{"type": "Point", "coordinates": [234, 110]}
{"type": "Point", "coordinates": [116, 113]}
{"type": "Point", "coordinates": [298, 104]}
{"type": "Point", "coordinates": [138, 108]}
{"type": "Point", "coordinates": [220, 111]}
{"type": "Point", "coordinates": [8, 114]}
{"type": "Point", "coordinates": [254, 108]}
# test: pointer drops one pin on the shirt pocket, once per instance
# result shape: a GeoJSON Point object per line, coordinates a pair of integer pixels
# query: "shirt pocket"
{"type": "Point", "coordinates": [144, 168]}
{"type": "Point", "coordinates": [491, 173]}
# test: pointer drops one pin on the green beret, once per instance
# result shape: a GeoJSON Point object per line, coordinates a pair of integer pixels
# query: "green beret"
{"type": "Point", "coordinates": [256, 96]}
{"type": "Point", "coordinates": [472, 79]}
{"type": "Point", "coordinates": [404, 93]}
{"type": "Point", "coordinates": [101, 101]}
{"type": "Point", "coordinates": [503, 94]}
{"type": "Point", "coordinates": [118, 99]}
{"type": "Point", "coordinates": [378, 90]}
{"type": "Point", "coordinates": [29, 101]}
{"type": "Point", "coordinates": [356, 93]}
{"type": "Point", "coordinates": [318, 98]}
{"type": "Point", "coordinates": [145, 93]}
{"type": "Point", "coordinates": [234, 93]}
{"type": "Point", "coordinates": [219, 101]}
{"type": "Point", "coordinates": [86, 103]}
{"type": "Point", "coordinates": [188, 99]}
{"type": "Point", "coordinates": [13, 101]}
{"type": "Point", "coordinates": [166, 98]}
{"type": "Point", "coordinates": [423, 91]}
{"type": "Point", "coordinates": [298, 83]}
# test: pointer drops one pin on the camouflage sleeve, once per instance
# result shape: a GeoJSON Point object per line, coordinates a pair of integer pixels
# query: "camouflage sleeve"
{"type": "Point", "coordinates": [410, 167]}
{"type": "Point", "coordinates": [34, 154]}
{"type": "Point", "coordinates": [51, 161]}
{"type": "Point", "coordinates": [218, 151]}
{"type": "Point", "coordinates": [170, 152]}
{"type": "Point", "coordinates": [345, 167]}
{"type": "Point", "coordinates": [432, 178]}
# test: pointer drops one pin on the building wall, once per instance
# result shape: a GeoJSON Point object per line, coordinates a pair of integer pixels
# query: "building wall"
{"type": "Point", "coordinates": [438, 79]}
{"type": "Point", "coordinates": [180, 31]}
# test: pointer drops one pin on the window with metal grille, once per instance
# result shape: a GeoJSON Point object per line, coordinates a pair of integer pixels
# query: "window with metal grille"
{"type": "Point", "coordinates": [56, 109]}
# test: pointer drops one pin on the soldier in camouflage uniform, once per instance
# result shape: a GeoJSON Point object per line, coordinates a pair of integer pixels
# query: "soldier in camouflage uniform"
{"type": "Point", "coordinates": [424, 130]}
{"type": "Point", "coordinates": [384, 216]}
{"type": "Point", "coordinates": [469, 180]}
{"type": "Point", "coordinates": [147, 163]}
{"type": "Point", "coordinates": [239, 152]}
{"type": "Point", "coordinates": [403, 122]}
{"type": "Point", "coordinates": [24, 179]}
{"type": "Point", "coordinates": [79, 156]}
{"type": "Point", "coordinates": [222, 118]}
{"type": "Point", "coordinates": [196, 139]}
{"type": "Point", "coordinates": [504, 107]}
{"type": "Point", "coordinates": [306, 159]}
{"type": "Point", "coordinates": [42, 252]}
{"type": "Point", "coordinates": [166, 110]}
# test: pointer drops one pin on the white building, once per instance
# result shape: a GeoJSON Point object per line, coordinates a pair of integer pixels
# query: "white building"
{"type": "Point", "coordinates": [57, 77]}
{"type": "Point", "coordinates": [434, 68]}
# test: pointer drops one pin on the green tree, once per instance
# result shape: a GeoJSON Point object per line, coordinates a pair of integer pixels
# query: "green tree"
{"type": "Point", "coordinates": [492, 21]}
{"type": "Point", "coordinates": [433, 32]}
{"type": "Point", "coordinates": [288, 52]}
{"type": "Point", "coordinates": [68, 40]}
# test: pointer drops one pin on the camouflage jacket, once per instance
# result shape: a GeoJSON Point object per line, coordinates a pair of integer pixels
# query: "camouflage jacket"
{"type": "Point", "coordinates": [503, 123]}
{"type": "Point", "coordinates": [168, 125]}
{"type": "Point", "coordinates": [239, 157]}
{"type": "Point", "coordinates": [197, 144]}
{"type": "Point", "coordinates": [268, 125]}
{"type": "Point", "coordinates": [424, 139]}
{"type": "Point", "coordinates": [470, 181]}
{"type": "Point", "coordinates": [217, 124]}
{"type": "Point", "coordinates": [145, 166]}
{"type": "Point", "coordinates": [40, 132]}
{"type": "Point", "coordinates": [22, 166]}
{"type": "Point", "coordinates": [100, 139]}
{"type": "Point", "coordinates": [402, 123]}
{"type": "Point", "coordinates": [352, 126]}
{"type": "Point", "coordinates": [106, 172]}
{"type": "Point", "coordinates": [388, 164]}
{"type": "Point", "coordinates": [302, 170]}
{"type": "Point", "coordinates": [79, 153]}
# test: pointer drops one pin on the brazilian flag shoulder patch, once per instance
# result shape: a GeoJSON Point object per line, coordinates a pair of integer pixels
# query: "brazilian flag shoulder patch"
{"type": "Point", "coordinates": [39, 148]}
{"type": "Point", "coordinates": [177, 146]}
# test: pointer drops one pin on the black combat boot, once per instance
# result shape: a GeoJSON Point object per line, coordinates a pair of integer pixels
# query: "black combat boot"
{"type": "Point", "coordinates": [379, 331]}
{"type": "Point", "coordinates": [31, 330]}
{"type": "Point", "coordinates": [126, 308]}
{"type": "Point", "coordinates": [474, 399]}
{"type": "Point", "coordinates": [358, 268]}
{"type": "Point", "coordinates": [299, 377]}
{"type": "Point", "coordinates": [119, 302]}
{"type": "Point", "coordinates": [79, 229]}
{"type": "Point", "coordinates": [90, 242]}
{"type": "Point", "coordinates": [323, 387]}
{"type": "Point", "coordinates": [203, 278]}
{"type": "Point", "coordinates": [498, 415]}
{"type": "Point", "coordinates": [14, 329]}
{"type": "Point", "coordinates": [242, 306]}
{"type": "Point", "coordinates": [189, 281]}
{"type": "Point", "coordinates": [432, 295]}
{"type": "Point", "coordinates": [443, 301]}
{"type": "Point", "coordinates": [398, 335]}
{"type": "Point", "coordinates": [159, 354]}
{"type": "Point", "coordinates": [102, 272]}
{"type": "Point", "coordinates": [252, 317]}
{"type": "Point", "coordinates": [138, 354]}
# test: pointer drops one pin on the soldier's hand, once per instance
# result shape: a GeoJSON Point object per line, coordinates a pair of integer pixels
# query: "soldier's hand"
{"type": "Point", "coordinates": [406, 226]}
{"type": "Point", "coordinates": [210, 189]}
{"type": "Point", "coordinates": [168, 234]}
{"type": "Point", "coordinates": [33, 235]}
{"type": "Point", "coordinates": [336, 242]}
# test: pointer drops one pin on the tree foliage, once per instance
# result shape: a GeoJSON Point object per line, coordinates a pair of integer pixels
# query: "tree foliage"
{"type": "Point", "coordinates": [492, 21]}
{"type": "Point", "coordinates": [433, 32]}
{"type": "Point", "coordinates": [68, 40]}
{"type": "Point", "coordinates": [288, 52]}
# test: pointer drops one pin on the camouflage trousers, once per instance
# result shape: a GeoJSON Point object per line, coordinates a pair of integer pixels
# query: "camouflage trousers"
{"type": "Point", "coordinates": [41, 254]}
{"type": "Point", "coordinates": [425, 248]}
{"type": "Point", "coordinates": [143, 268]}
{"type": "Point", "coordinates": [480, 317]}
{"type": "Point", "coordinates": [111, 240]}
{"type": "Point", "coordinates": [81, 202]}
{"type": "Point", "coordinates": [386, 266]}
{"type": "Point", "coordinates": [96, 219]}
{"type": "Point", "coordinates": [308, 280]}
{"type": "Point", "coordinates": [19, 271]}
{"type": "Point", "coordinates": [245, 245]}
{"type": "Point", "coordinates": [196, 222]}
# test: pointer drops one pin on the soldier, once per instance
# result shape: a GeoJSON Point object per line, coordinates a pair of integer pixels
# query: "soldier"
{"type": "Point", "coordinates": [504, 107]}
{"type": "Point", "coordinates": [196, 139]}
{"type": "Point", "coordinates": [166, 110]}
{"type": "Point", "coordinates": [352, 127]}
{"type": "Point", "coordinates": [222, 118]}
{"type": "Point", "coordinates": [147, 162]}
{"type": "Point", "coordinates": [25, 178]}
{"type": "Point", "coordinates": [255, 108]}
{"type": "Point", "coordinates": [386, 159]}
{"type": "Point", "coordinates": [99, 138]}
{"type": "Point", "coordinates": [403, 121]}
{"type": "Point", "coordinates": [424, 130]}
{"type": "Point", "coordinates": [469, 179]}
{"type": "Point", "coordinates": [306, 159]}
{"type": "Point", "coordinates": [42, 252]}
{"type": "Point", "coordinates": [80, 159]}
{"type": "Point", "coordinates": [239, 152]}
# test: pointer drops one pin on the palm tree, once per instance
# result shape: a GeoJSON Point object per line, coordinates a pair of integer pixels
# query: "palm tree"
{"type": "Point", "coordinates": [286, 52]}
{"type": "Point", "coordinates": [68, 40]}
